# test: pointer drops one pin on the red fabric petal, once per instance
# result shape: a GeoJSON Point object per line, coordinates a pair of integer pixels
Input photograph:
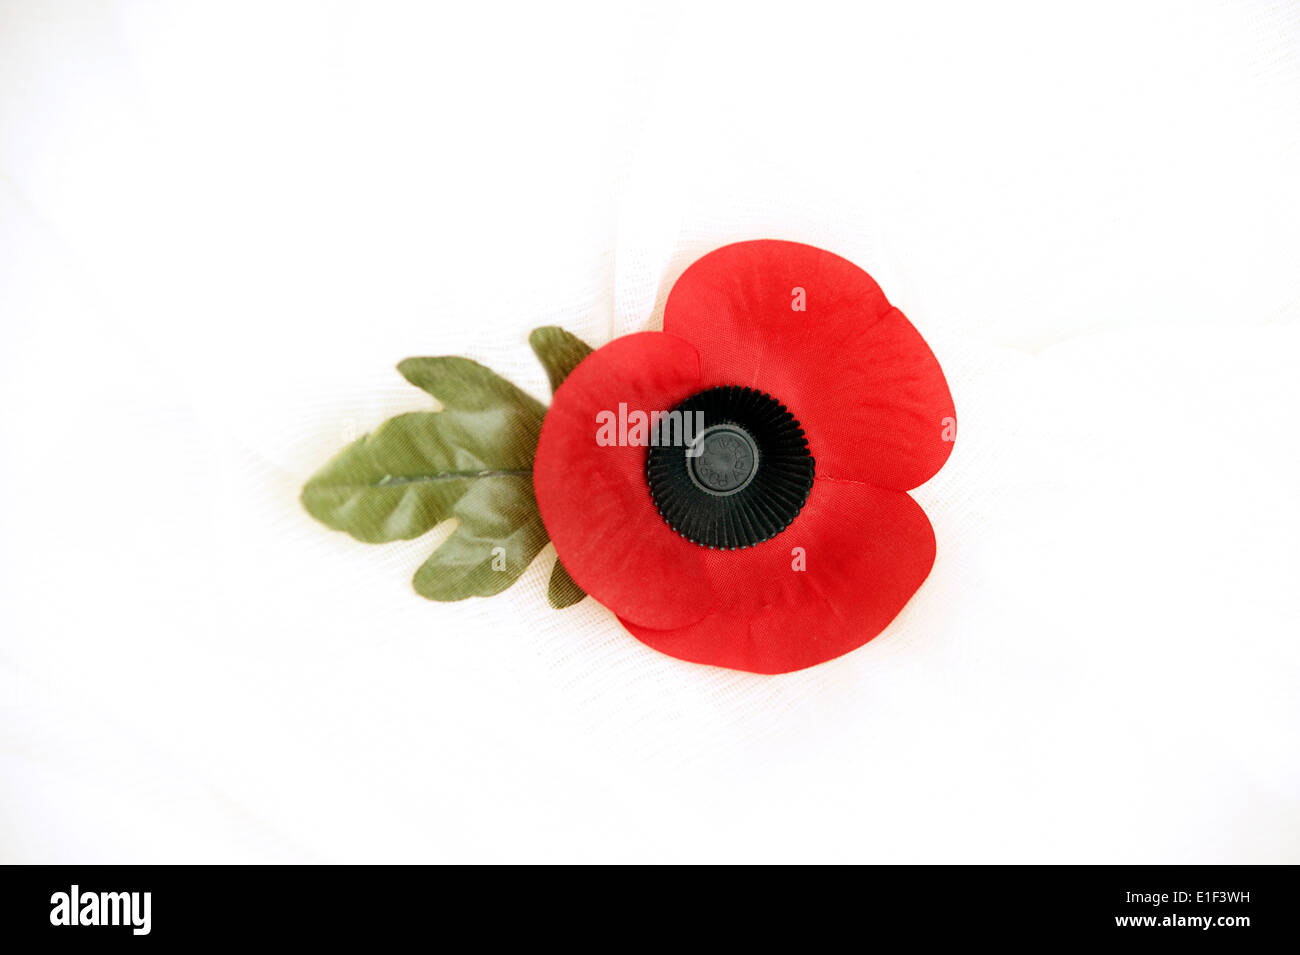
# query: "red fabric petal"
{"type": "Point", "coordinates": [861, 380]}
{"type": "Point", "coordinates": [594, 500]}
{"type": "Point", "coordinates": [867, 550]}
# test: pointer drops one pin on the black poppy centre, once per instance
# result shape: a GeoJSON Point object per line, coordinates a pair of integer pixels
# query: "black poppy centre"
{"type": "Point", "coordinates": [740, 480]}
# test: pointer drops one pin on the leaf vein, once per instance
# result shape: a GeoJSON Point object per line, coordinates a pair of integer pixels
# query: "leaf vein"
{"type": "Point", "coordinates": [389, 480]}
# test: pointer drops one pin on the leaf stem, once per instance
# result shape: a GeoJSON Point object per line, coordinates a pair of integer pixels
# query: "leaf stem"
{"type": "Point", "coordinates": [389, 480]}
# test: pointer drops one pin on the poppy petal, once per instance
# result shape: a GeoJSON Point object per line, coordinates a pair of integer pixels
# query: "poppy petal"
{"type": "Point", "coordinates": [817, 333]}
{"type": "Point", "coordinates": [594, 498]}
{"type": "Point", "coordinates": [827, 585]}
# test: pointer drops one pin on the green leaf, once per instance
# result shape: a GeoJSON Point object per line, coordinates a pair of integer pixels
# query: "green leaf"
{"type": "Point", "coordinates": [563, 592]}
{"type": "Point", "coordinates": [473, 461]}
{"type": "Point", "coordinates": [559, 351]}
{"type": "Point", "coordinates": [499, 534]}
{"type": "Point", "coordinates": [466, 385]}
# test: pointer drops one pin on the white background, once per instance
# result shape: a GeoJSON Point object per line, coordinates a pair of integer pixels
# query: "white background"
{"type": "Point", "coordinates": [222, 224]}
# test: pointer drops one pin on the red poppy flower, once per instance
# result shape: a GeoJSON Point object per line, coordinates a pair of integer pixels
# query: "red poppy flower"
{"type": "Point", "coordinates": [784, 536]}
